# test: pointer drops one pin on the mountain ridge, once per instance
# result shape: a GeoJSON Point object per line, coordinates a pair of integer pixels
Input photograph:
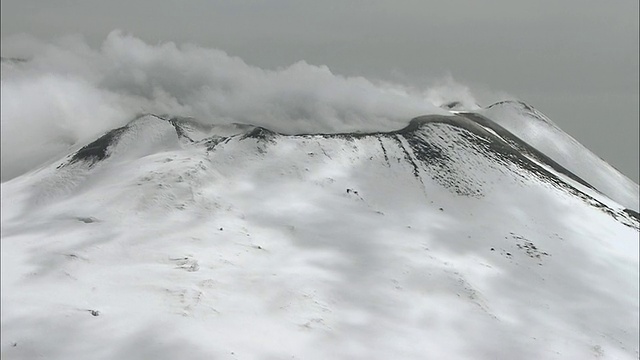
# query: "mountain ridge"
{"type": "Point", "coordinates": [498, 138]}
{"type": "Point", "coordinates": [540, 132]}
{"type": "Point", "coordinates": [440, 240]}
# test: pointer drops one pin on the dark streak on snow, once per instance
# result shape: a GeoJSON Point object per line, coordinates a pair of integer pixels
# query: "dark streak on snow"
{"type": "Point", "coordinates": [472, 128]}
{"type": "Point", "coordinates": [408, 157]}
{"type": "Point", "coordinates": [384, 151]}
{"type": "Point", "coordinates": [523, 147]}
{"type": "Point", "coordinates": [506, 147]}
{"type": "Point", "coordinates": [213, 141]}
{"type": "Point", "coordinates": [178, 125]}
{"type": "Point", "coordinates": [97, 150]}
{"type": "Point", "coordinates": [633, 214]}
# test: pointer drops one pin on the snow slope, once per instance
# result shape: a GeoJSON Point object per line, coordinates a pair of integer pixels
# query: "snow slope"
{"type": "Point", "coordinates": [446, 239]}
{"type": "Point", "coordinates": [539, 131]}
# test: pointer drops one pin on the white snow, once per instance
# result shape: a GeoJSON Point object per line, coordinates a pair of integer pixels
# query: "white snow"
{"type": "Point", "coordinates": [309, 248]}
{"type": "Point", "coordinates": [540, 132]}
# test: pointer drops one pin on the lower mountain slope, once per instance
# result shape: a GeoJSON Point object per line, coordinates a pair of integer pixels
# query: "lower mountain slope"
{"type": "Point", "coordinates": [166, 239]}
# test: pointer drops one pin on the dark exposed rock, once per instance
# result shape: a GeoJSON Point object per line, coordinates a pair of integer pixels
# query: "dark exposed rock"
{"type": "Point", "coordinates": [452, 105]}
{"type": "Point", "coordinates": [260, 133]}
{"type": "Point", "coordinates": [633, 214]}
{"type": "Point", "coordinates": [420, 149]}
{"type": "Point", "coordinates": [97, 150]}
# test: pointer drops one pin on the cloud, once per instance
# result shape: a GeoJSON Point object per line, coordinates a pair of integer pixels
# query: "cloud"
{"type": "Point", "coordinates": [68, 93]}
{"type": "Point", "coordinates": [447, 90]}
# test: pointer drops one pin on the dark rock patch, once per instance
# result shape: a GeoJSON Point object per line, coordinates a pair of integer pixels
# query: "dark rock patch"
{"type": "Point", "coordinates": [97, 150]}
{"type": "Point", "coordinates": [451, 105]}
{"type": "Point", "coordinates": [633, 214]}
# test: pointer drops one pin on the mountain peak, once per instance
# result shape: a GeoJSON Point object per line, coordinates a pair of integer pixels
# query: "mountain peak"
{"type": "Point", "coordinates": [520, 107]}
{"type": "Point", "coordinates": [198, 230]}
{"type": "Point", "coordinates": [540, 132]}
{"type": "Point", "coordinates": [149, 134]}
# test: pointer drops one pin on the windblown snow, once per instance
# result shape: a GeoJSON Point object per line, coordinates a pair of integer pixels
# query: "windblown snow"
{"type": "Point", "coordinates": [450, 238]}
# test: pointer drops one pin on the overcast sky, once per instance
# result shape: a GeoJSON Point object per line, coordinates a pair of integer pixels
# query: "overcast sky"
{"type": "Point", "coordinates": [574, 60]}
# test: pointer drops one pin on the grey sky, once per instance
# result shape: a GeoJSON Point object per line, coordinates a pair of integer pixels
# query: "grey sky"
{"type": "Point", "coordinates": [574, 60]}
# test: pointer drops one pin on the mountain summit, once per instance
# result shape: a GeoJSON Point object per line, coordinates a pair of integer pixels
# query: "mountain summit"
{"type": "Point", "coordinates": [461, 236]}
{"type": "Point", "coordinates": [540, 132]}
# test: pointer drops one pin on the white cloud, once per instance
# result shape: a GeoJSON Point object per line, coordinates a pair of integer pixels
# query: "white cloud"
{"type": "Point", "coordinates": [67, 94]}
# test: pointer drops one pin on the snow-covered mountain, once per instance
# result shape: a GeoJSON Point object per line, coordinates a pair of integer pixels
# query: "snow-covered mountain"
{"type": "Point", "coordinates": [538, 130]}
{"type": "Point", "coordinates": [454, 237]}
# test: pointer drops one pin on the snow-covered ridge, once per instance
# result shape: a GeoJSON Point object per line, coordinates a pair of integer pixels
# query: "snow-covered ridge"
{"type": "Point", "coordinates": [522, 108]}
{"type": "Point", "coordinates": [149, 134]}
{"type": "Point", "coordinates": [540, 132]}
{"type": "Point", "coordinates": [449, 238]}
